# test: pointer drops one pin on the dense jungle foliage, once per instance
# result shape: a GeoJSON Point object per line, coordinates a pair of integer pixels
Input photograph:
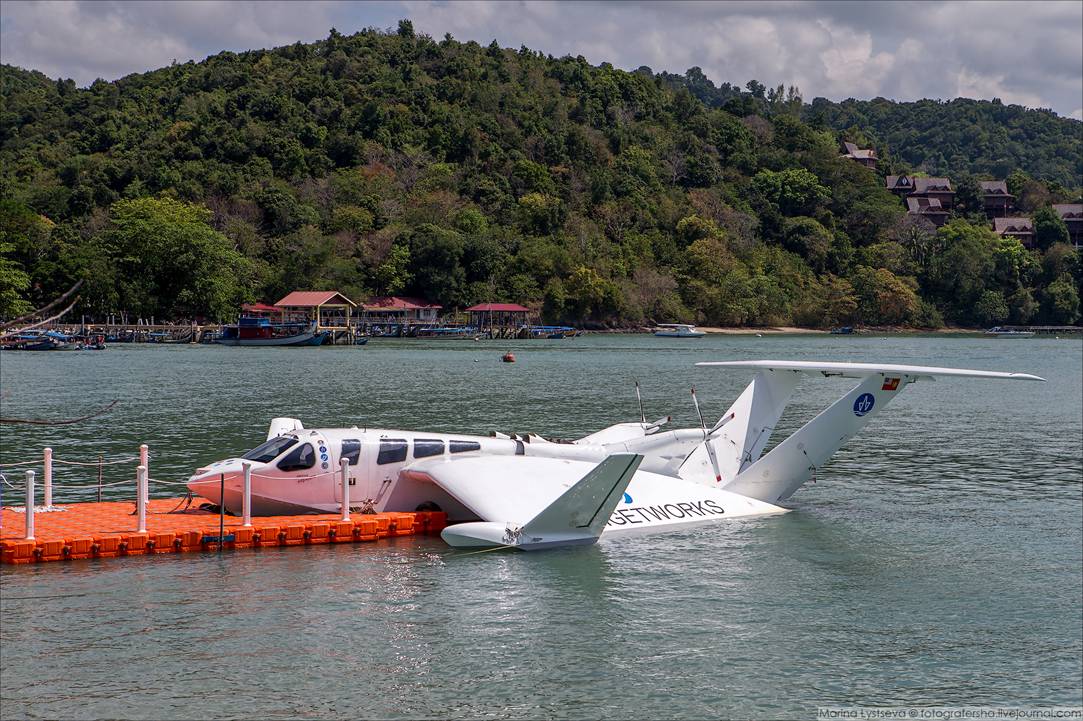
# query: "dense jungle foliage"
{"type": "Point", "coordinates": [392, 163]}
{"type": "Point", "coordinates": [953, 138]}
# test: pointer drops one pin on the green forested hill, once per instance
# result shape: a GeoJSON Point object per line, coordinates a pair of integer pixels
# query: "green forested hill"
{"type": "Point", "coordinates": [394, 163]}
{"type": "Point", "coordinates": [953, 138]}
{"type": "Point", "coordinates": [960, 136]}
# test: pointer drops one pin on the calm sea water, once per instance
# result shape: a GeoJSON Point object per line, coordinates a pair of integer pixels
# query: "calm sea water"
{"type": "Point", "coordinates": [937, 561]}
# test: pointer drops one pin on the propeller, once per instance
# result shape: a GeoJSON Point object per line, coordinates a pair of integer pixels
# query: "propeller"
{"type": "Point", "coordinates": [642, 415]}
{"type": "Point", "coordinates": [707, 436]}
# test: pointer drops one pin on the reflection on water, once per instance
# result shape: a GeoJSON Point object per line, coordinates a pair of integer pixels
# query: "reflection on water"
{"type": "Point", "coordinates": [935, 561]}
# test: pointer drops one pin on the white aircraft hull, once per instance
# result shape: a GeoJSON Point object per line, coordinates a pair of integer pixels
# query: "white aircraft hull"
{"type": "Point", "coordinates": [526, 492]}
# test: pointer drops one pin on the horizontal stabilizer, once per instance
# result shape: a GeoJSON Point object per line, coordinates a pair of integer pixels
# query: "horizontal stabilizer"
{"type": "Point", "coordinates": [863, 370]}
{"type": "Point", "coordinates": [576, 517]}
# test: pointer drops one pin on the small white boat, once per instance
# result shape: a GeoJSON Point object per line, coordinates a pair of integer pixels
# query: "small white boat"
{"type": "Point", "coordinates": [1009, 333]}
{"type": "Point", "coordinates": [678, 330]}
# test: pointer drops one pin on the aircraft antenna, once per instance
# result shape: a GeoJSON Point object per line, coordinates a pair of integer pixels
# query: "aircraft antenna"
{"type": "Point", "coordinates": [642, 415]}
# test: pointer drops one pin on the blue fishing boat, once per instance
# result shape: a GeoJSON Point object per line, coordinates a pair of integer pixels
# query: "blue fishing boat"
{"type": "Point", "coordinates": [253, 331]}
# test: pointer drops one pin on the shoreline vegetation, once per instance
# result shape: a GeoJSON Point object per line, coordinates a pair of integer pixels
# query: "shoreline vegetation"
{"type": "Point", "coordinates": [391, 163]}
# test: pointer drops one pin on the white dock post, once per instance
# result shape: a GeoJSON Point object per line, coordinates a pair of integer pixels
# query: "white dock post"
{"type": "Point", "coordinates": [246, 496]}
{"type": "Point", "coordinates": [29, 506]}
{"type": "Point", "coordinates": [48, 477]}
{"type": "Point", "coordinates": [144, 460]}
{"type": "Point", "coordinates": [141, 497]}
{"type": "Point", "coordinates": [344, 463]}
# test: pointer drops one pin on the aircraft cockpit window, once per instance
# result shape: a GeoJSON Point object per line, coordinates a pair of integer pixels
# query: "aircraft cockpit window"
{"type": "Point", "coordinates": [392, 450]}
{"type": "Point", "coordinates": [464, 446]}
{"type": "Point", "coordinates": [425, 447]}
{"type": "Point", "coordinates": [351, 449]}
{"type": "Point", "coordinates": [299, 459]}
{"type": "Point", "coordinates": [270, 450]}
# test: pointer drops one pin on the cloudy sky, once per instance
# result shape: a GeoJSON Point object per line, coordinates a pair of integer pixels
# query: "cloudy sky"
{"type": "Point", "coordinates": [1030, 53]}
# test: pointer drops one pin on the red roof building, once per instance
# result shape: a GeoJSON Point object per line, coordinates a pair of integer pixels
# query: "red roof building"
{"type": "Point", "coordinates": [394, 308]}
{"type": "Point", "coordinates": [260, 309]}
{"type": "Point", "coordinates": [498, 315]}
{"type": "Point", "coordinates": [328, 308]}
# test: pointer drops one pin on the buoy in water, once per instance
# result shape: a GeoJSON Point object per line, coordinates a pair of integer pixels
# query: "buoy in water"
{"type": "Point", "coordinates": [508, 357]}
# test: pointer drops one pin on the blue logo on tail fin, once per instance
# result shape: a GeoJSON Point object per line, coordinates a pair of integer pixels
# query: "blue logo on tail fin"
{"type": "Point", "coordinates": [627, 498]}
{"type": "Point", "coordinates": [864, 404]}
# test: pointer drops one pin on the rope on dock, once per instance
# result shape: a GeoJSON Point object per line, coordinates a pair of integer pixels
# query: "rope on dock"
{"type": "Point", "coordinates": [20, 463]}
{"type": "Point", "coordinates": [95, 464]}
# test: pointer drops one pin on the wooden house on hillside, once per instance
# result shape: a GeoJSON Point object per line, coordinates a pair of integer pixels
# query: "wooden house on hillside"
{"type": "Point", "coordinates": [1018, 227]}
{"type": "Point", "coordinates": [1072, 215]}
{"type": "Point", "coordinates": [906, 186]}
{"type": "Point", "coordinates": [996, 199]}
{"type": "Point", "coordinates": [865, 156]}
{"type": "Point", "coordinates": [928, 208]}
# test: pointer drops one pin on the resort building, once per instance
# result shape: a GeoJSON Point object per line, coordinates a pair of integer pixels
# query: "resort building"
{"type": "Point", "coordinates": [865, 156]}
{"type": "Point", "coordinates": [906, 186]}
{"type": "Point", "coordinates": [928, 208]}
{"type": "Point", "coordinates": [996, 199]}
{"type": "Point", "coordinates": [1018, 227]}
{"type": "Point", "coordinates": [329, 309]}
{"type": "Point", "coordinates": [399, 309]}
{"type": "Point", "coordinates": [498, 315]}
{"type": "Point", "coordinates": [1072, 215]}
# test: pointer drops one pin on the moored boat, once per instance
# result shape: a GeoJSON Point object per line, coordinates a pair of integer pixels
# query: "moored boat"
{"type": "Point", "coordinates": [678, 330]}
{"type": "Point", "coordinates": [262, 332]}
{"type": "Point", "coordinates": [999, 332]}
{"type": "Point", "coordinates": [41, 340]}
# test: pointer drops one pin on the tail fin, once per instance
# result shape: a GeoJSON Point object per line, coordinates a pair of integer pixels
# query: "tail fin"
{"type": "Point", "coordinates": [788, 465]}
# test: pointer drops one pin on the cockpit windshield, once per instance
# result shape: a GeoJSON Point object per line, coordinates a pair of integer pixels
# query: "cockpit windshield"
{"type": "Point", "coordinates": [270, 450]}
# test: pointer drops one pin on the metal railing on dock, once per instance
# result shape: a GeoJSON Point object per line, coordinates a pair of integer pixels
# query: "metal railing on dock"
{"type": "Point", "coordinates": [95, 530]}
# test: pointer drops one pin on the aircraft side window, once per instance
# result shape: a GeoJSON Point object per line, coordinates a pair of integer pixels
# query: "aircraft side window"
{"type": "Point", "coordinates": [392, 450]}
{"type": "Point", "coordinates": [351, 449]}
{"type": "Point", "coordinates": [299, 459]}
{"type": "Point", "coordinates": [425, 447]}
{"type": "Point", "coordinates": [464, 446]}
{"type": "Point", "coordinates": [270, 450]}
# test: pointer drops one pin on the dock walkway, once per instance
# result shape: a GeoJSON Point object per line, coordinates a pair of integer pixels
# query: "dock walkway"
{"type": "Point", "coordinates": [106, 530]}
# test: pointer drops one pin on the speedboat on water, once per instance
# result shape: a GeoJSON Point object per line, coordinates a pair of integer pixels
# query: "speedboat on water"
{"type": "Point", "coordinates": [999, 332]}
{"type": "Point", "coordinates": [525, 491]}
{"type": "Point", "coordinates": [678, 330]}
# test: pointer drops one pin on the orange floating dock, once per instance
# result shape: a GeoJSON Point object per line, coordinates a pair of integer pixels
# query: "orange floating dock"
{"type": "Point", "coordinates": [107, 530]}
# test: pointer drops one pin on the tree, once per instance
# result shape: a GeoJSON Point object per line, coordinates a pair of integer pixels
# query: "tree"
{"type": "Point", "coordinates": [991, 307]}
{"type": "Point", "coordinates": [969, 199]}
{"type": "Point", "coordinates": [393, 275]}
{"type": "Point", "coordinates": [884, 298]}
{"type": "Point", "coordinates": [1060, 302]}
{"type": "Point", "coordinates": [13, 282]}
{"type": "Point", "coordinates": [794, 192]}
{"type": "Point", "coordinates": [1049, 228]}
{"type": "Point", "coordinates": [170, 263]}
{"type": "Point", "coordinates": [963, 269]}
